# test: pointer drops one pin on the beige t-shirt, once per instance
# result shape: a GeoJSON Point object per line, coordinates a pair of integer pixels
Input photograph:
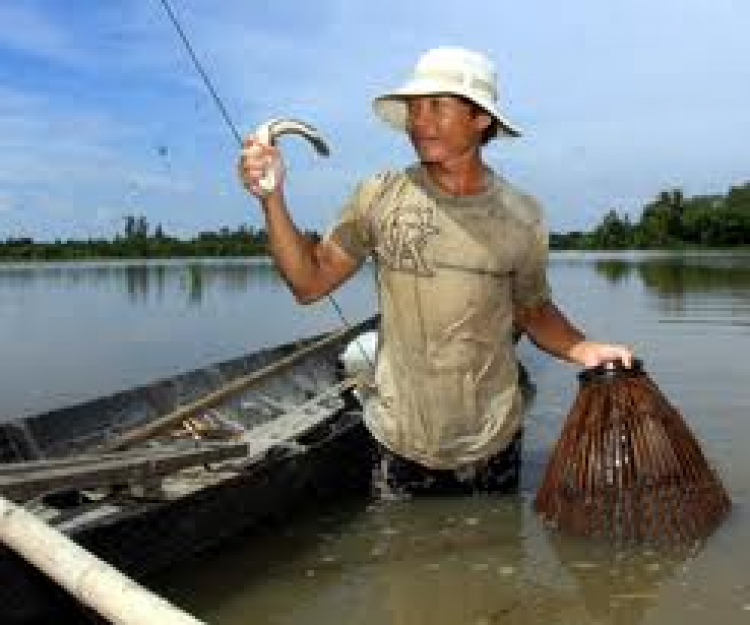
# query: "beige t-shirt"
{"type": "Point", "coordinates": [450, 270]}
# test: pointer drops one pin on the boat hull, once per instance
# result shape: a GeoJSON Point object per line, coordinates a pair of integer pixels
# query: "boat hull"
{"type": "Point", "coordinates": [153, 538]}
{"type": "Point", "coordinates": [321, 454]}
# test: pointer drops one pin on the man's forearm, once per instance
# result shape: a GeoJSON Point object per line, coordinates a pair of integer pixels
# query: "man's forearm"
{"type": "Point", "coordinates": [292, 251]}
{"type": "Point", "coordinates": [311, 269]}
{"type": "Point", "coordinates": [550, 330]}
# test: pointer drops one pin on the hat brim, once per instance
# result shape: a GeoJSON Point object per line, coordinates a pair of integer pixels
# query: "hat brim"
{"type": "Point", "coordinates": [391, 106]}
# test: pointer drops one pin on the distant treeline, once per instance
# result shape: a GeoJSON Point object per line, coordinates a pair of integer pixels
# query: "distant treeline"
{"type": "Point", "coordinates": [139, 240]}
{"type": "Point", "coordinates": [671, 221]}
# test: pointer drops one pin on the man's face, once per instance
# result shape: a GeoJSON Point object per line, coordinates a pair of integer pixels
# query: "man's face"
{"type": "Point", "coordinates": [444, 127]}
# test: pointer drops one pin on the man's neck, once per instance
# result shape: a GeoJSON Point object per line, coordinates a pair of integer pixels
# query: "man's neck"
{"type": "Point", "coordinates": [465, 177]}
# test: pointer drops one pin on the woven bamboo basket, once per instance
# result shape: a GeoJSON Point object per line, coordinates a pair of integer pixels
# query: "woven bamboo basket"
{"type": "Point", "coordinates": [627, 468]}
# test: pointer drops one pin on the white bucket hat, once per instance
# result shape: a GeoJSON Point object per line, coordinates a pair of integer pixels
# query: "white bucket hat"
{"type": "Point", "coordinates": [451, 70]}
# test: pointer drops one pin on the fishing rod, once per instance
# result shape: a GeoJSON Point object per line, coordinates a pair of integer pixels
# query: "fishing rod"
{"type": "Point", "coordinates": [237, 136]}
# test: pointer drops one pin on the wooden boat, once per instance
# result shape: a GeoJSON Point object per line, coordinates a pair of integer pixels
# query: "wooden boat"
{"type": "Point", "coordinates": [147, 477]}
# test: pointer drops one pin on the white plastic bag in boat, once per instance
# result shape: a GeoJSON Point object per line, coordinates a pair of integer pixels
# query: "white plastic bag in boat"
{"type": "Point", "coordinates": [358, 357]}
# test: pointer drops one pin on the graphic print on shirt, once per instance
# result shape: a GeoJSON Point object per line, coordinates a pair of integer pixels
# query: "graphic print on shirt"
{"type": "Point", "coordinates": [405, 233]}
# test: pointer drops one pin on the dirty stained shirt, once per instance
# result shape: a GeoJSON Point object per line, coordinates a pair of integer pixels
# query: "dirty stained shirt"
{"type": "Point", "coordinates": [450, 269]}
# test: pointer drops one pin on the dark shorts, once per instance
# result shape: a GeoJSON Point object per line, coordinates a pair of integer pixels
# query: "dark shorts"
{"type": "Point", "coordinates": [394, 475]}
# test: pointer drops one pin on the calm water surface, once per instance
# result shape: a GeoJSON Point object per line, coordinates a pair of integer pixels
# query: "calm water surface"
{"type": "Point", "coordinates": [69, 332]}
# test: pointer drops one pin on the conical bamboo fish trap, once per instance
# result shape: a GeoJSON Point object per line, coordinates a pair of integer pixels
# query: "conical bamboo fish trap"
{"type": "Point", "coordinates": [627, 468]}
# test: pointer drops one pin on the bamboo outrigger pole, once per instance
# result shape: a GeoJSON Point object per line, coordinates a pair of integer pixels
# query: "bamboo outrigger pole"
{"type": "Point", "coordinates": [90, 580]}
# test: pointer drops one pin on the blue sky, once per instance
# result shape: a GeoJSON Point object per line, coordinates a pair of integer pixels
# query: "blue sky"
{"type": "Point", "coordinates": [102, 114]}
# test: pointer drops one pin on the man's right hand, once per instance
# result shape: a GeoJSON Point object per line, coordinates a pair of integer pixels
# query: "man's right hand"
{"type": "Point", "coordinates": [256, 161]}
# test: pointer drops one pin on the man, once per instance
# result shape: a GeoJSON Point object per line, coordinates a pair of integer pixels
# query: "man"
{"type": "Point", "coordinates": [461, 257]}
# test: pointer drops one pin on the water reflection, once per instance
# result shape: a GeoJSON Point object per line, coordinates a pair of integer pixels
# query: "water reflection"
{"type": "Point", "coordinates": [680, 273]}
{"type": "Point", "coordinates": [684, 277]}
{"type": "Point", "coordinates": [447, 562]}
{"type": "Point", "coordinates": [482, 562]}
{"type": "Point", "coordinates": [617, 585]}
{"type": "Point", "coordinates": [421, 562]}
{"type": "Point", "coordinates": [196, 279]}
{"type": "Point", "coordinates": [443, 561]}
{"type": "Point", "coordinates": [144, 281]}
{"type": "Point", "coordinates": [614, 270]}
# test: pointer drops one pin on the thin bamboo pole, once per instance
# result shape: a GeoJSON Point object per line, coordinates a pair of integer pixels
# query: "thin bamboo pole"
{"type": "Point", "coordinates": [90, 580]}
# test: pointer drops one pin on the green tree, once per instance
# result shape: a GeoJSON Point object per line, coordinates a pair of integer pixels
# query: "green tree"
{"type": "Point", "coordinates": [614, 232]}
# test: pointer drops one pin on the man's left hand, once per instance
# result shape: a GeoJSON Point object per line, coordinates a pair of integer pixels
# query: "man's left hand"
{"type": "Point", "coordinates": [592, 354]}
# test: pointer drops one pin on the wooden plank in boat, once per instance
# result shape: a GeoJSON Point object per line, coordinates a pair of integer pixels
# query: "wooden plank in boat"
{"type": "Point", "coordinates": [296, 422]}
{"type": "Point", "coordinates": [31, 479]}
